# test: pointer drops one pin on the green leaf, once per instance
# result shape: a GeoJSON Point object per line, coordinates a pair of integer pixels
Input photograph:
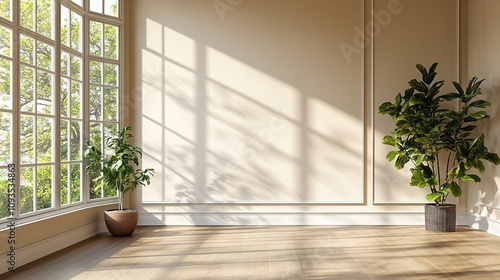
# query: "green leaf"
{"type": "Point", "coordinates": [480, 166]}
{"type": "Point", "coordinates": [456, 191]}
{"type": "Point", "coordinates": [417, 178]}
{"type": "Point", "coordinates": [386, 108]}
{"type": "Point", "coordinates": [401, 161]}
{"type": "Point", "coordinates": [402, 124]}
{"type": "Point", "coordinates": [450, 96]}
{"type": "Point", "coordinates": [422, 69]}
{"type": "Point", "coordinates": [479, 115]}
{"type": "Point", "coordinates": [389, 140]}
{"type": "Point", "coordinates": [459, 88]}
{"type": "Point", "coordinates": [392, 155]}
{"type": "Point", "coordinates": [478, 141]}
{"type": "Point", "coordinates": [433, 197]}
{"type": "Point", "coordinates": [433, 67]}
{"type": "Point", "coordinates": [480, 104]}
{"type": "Point", "coordinates": [471, 178]}
{"type": "Point", "coordinates": [493, 158]}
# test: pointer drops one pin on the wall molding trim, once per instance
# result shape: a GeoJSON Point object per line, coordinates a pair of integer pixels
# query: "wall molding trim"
{"type": "Point", "coordinates": [288, 218]}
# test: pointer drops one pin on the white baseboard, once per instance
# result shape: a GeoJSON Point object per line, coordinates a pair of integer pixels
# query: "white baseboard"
{"type": "Point", "coordinates": [484, 224]}
{"type": "Point", "coordinates": [287, 218]}
{"type": "Point", "coordinates": [53, 244]}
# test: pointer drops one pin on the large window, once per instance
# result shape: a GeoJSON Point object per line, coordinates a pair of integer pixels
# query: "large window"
{"type": "Point", "coordinates": [59, 87]}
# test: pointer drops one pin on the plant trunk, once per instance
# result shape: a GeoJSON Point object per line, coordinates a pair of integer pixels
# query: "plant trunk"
{"type": "Point", "coordinates": [120, 200]}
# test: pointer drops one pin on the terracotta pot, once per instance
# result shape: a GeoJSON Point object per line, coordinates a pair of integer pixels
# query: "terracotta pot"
{"type": "Point", "coordinates": [440, 218]}
{"type": "Point", "coordinates": [121, 223]}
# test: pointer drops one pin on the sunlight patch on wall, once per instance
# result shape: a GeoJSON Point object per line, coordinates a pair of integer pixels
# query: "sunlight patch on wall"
{"type": "Point", "coordinates": [168, 101]}
{"type": "Point", "coordinates": [336, 156]}
{"type": "Point", "coordinates": [252, 139]}
{"type": "Point", "coordinates": [252, 83]}
{"type": "Point", "coordinates": [179, 48]}
{"type": "Point", "coordinates": [154, 38]}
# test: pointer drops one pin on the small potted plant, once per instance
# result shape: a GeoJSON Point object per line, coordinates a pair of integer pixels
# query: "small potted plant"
{"type": "Point", "coordinates": [440, 143]}
{"type": "Point", "coordinates": [116, 169]}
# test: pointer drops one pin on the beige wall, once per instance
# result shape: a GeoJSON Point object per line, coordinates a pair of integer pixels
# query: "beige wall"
{"type": "Point", "coordinates": [266, 111]}
{"type": "Point", "coordinates": [483, 61]}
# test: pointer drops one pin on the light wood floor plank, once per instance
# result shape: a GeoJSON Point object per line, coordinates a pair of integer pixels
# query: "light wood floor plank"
{"type": "Point", "coordinates": [281, 252]}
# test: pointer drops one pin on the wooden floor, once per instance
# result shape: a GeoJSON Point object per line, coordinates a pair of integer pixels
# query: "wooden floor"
{"type": "Point", "coordinates": [284, 252]}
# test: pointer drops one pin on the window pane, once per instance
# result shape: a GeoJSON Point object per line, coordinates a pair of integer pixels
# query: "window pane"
{"type": "Point", "coordinates": [76, 31]}
{"type": "Point", "coordinates": [4, 193]}
{"type": "Point", "coordinates": [96, 134]}
{"type": "Point", "coordinates": [95, 103]}
{"type": "Point", "coordinates": [110, 129]}
{"type": "Point", "coordinates": [76, 67]}
{"type": "Point", "coordinates": [64, 140]}
{"type": "Point", "coordinates": [95, 38]}
{"type": "Point", "coordinates": [44, 92]}
{"type": "Point", "coordinates": [5, 84]}
{"type": "Point", "coordinates": [65, 26]}
{"type": "Point", "coordinates": [64, 184]}
{"type": "Point", "coordinates": [95, 139]}
{"type": "Point", "coordinates": [28, 14]}
{"type": "Point", "coordinates": [44, 139]}
{"type": "Point", "coordinates": [27, 89]}
{"type": "Point", "coordinates": [110, 41]}
{"type": "Point", "coordinates": [64, 64]}
{"type": "Point", "coordinates": [76, 184]}
{"type": "Point", "coordinates": [26, 188]}
{"type": "Point", "coordinates": [5, 40]}
{"type": "Point", "coordinates": [111, 7]}
{"type": "Point", "coordinates": [78, 2]}
{"type": "Point", "coordinates": [76, 99]}
{"type": "Point", "coordinates": [96, 6]}
{"type": "Point", "coordinates": [5, 9]}
{"type": "Point", "coordinates": [111, 74]}
{"type": "Point", "coordinates": [76, 140]}
{"type": "Point", "coordinates": [27, 139]}
{"type": "Point", "coordinates": [44, 56]}
{"type": "Point", "coordinates": [110, 104]}
{"type": "Point", "coordinates": [45, 18]}
{"type": "Point", "coordinates": [44, 175]}
{"type": "Point", "coordinates": [95, 72]}
{"type": "Point", "coordinates": [5, 139]}
{"type": "Point", "coordinates": [64, 97]}
{"type": "Point", "coordinates": [27, 50]}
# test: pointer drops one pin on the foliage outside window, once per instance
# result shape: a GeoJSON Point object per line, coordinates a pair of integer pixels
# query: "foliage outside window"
{"type": "Point", "coordinates": [59, 87]}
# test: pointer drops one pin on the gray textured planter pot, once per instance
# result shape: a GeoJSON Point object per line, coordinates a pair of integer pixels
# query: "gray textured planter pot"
{"type": "Point", "coordinates": [121, 223]}
{"type": "Point", "coordinates": [440, 218]}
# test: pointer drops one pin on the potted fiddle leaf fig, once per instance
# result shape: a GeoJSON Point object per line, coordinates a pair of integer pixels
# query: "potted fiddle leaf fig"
{"type": "Point", "coordinates": [117, 169]}
{"type": "Point", "coordinates": [436, 134]}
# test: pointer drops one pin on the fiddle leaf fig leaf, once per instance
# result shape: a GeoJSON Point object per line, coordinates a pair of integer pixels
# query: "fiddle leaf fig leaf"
{"type": "Point", "coordinates": [392, 155]}
{"type": "Point", "coordinates": [471, 178]}
{"type": "Point", "coordinates": [456, 191]}
{"type": "Point", "coordinates": [389, 140]}
{"type": "Point", "coordinates": [401, 161]}
{"type": "Point", "coordinates": [459, 88]}
{"type": "Point", "coordinates": [433, 197]}
{"type": "Point", "coordinates": [422, 69]}
{"type": "Point", "coordinates": [433, 67]}
{"type": "Point", "coordinates": [479, 115]}
{"type": "Point", "coordinates": [480, 104]}
{"type": "Point", "coordinates": [493, 158]}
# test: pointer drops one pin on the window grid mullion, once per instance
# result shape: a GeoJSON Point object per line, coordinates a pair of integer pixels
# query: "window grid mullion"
{"type": "Point", "coordinates": [56, 193]}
